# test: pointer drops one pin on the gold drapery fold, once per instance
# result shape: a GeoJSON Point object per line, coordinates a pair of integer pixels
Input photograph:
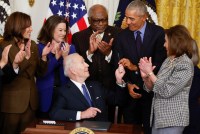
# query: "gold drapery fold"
{"type": "Point", "coordinates": [185, 12]}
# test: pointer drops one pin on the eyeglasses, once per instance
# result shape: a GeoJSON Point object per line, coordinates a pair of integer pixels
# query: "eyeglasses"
{"type": "Point", "coordinates": [97, 21]}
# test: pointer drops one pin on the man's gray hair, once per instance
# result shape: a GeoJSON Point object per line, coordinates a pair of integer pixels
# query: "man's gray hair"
{"type": "Point", "coordinates": [68, 63]}
{"type": "Point", "coordinates": [139, 6]}
{"type": "Point", "coordinates": [92, 8]}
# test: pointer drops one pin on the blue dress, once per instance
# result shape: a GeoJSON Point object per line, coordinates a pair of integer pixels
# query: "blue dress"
{"type": "Point", "coordinates": [49, 81]}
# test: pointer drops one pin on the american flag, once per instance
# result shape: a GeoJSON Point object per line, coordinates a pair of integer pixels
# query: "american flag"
{"type": "Point", "coordinates": [5, 11]}
{"type": "Point", "coordinates": [73, 10]}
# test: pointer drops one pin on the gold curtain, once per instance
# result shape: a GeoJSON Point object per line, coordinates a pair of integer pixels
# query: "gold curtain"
{"type": "Point", "coordinates": [185, 12]}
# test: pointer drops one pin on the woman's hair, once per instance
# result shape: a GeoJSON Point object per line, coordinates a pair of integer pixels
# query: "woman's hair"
{"type": "Point", "coordinates": [179, 41]}
{"type": "Point", "coordinates": [195, 53]}
{"type": "Point", "coordinates": [15, 25]}
{"type": "Point", "coordinates": [47, 30]}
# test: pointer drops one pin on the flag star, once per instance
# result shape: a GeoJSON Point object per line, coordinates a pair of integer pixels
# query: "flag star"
{"type": "Point", "coordinates": [75, 6]}
{"type": "Point", "coordinates": [53, 2]}
{"type": "Point", "coordinates": [59, 13]}
{"type": "Point", "coordinates": [61, 3]}
{"type": "Point", "coordinates": [66, 14]}
{"type": "Point", "coordinates": [74, 15]}
{"type": "Point", "coordinates": [82, 7]}
{"type": "Point", "coordinates": [68, 5]}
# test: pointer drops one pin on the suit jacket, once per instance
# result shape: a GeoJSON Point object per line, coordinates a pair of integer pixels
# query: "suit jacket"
{"type": "Point", "coordinates": [153, 46]}
{"type": "Point", "coordinates": [100, 70]}
{"type": "Point", "coordinates": [21, 91]}
{"type": "Point", "coordinates": [70, 100]}
{"type": "Point", "coordinates": [46, 83]}
{"type": "Point", "coordinates": [171, 93]}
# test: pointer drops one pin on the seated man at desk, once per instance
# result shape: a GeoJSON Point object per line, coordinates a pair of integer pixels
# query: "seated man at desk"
{"type": "Point", "coordinates": [80, 99]}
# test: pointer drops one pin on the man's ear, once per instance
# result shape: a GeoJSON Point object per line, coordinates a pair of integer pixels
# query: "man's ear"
{"type": "Point", "coordinates": [72, 70]}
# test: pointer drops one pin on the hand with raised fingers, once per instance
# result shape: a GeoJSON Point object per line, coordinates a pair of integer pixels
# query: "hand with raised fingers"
{"type": "Point", "coordinates": [94, 41]}
{"type": "Point", "coordinates": [47, 49]}
{"type": "Point", "coordinates": [4, 59]}
{"type": "Point", "coordinates": [119, 73]}
{"type": "Point", "coordinates": [19, 57]}
{"type": "Point", "coordinates": [65, 49]}
{"type": "Point", "coordinates": [28, 49]}
{"type": "Point", "coordinates": [105, 47]}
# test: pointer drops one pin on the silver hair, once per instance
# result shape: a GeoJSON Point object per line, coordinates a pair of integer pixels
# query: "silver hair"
{"type": "Point", "coordinates": [68, 62]}
{"type": "Point", "coordinates": [139, 6]}
{"type": "Point", "coordinates": [92, 8]}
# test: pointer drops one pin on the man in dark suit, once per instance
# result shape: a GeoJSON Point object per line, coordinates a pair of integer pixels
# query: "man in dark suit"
{"type": "Point", "coordinates": [98, 55]}
{"type": "Point", "coordinates": [72, 103]}
{"type": "Point", "coordinates": [127, 52]}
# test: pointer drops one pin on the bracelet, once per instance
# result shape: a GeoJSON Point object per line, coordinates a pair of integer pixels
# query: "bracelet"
{"type": "Point", "coordinates": [149, 74]}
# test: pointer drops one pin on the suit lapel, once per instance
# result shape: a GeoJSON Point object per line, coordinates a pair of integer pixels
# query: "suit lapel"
{"type": "Point", "coordinates": [132, 47]}
{"type": "Point", "coordinates": [77, 93]}
{"type": "Point", "coordinates": [146, 40]}
{"type": "Point", "coordinates": [107, 35]}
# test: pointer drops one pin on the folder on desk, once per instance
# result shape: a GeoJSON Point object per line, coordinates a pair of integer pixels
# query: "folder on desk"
{"type": "Point", "coordinates": [96, 125]}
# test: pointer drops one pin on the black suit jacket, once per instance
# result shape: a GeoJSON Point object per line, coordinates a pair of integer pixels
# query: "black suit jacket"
{"type": "Point", "coordinates": [69, 100]}
{"type": "Point", "coordinates": [153, 46]}
{"type": "Point", "coordinates": [100, 70]}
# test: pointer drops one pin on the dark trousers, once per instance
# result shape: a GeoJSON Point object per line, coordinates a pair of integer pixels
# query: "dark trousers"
{"type": "Point", "coordinates": [138, 111]}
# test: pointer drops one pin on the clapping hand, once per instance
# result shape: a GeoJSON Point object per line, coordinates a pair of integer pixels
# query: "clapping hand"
{"type": "Point", "coordinates": [94, 41]}
{"type": "Point", "coordinates": [4, 59]}
{"type": "Point", "coordinates": [19, 57]}
{"type": "Point", "coordinates": [145, 66]}
{"type": "Point", "coordinates": [105, 47]}
{"type": "Point", "coordinates": [28, 49]}
{"type": "Point", "coordinates": [65, 49]}
{"type": "Point", "coordinates": [47, 49]}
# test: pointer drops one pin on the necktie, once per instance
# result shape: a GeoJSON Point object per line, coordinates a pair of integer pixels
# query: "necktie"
{"type": "Point", "coordinates": [86, 94]}
{"type": "Point", "coordinates": [138, 42]}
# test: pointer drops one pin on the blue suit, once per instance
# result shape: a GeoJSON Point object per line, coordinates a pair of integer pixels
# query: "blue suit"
{"type": "Point", "coordinates": [69, 100]}
{"type": "Point", "coordinates": [47, 83]}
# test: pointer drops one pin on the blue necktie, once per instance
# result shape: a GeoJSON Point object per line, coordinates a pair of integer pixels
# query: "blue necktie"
{"type": "Point", "coordinates": [86, 94]}
{"type": "Point", "coordinates": [138, 42]}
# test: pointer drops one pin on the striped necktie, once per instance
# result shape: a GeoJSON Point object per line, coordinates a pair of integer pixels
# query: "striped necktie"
{"type": "Point", "coordinates": [86, 94]}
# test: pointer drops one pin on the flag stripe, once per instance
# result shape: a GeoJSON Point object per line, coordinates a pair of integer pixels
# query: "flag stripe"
{"type": "Point", "coordinates": [81, 24]}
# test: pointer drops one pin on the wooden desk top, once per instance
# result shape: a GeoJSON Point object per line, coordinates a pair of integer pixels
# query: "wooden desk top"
{"type": "Point", "coordinates": [68, 126]}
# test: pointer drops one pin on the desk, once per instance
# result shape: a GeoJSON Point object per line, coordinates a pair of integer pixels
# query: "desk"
{"type": "Point", "coordinates": [114, 129]}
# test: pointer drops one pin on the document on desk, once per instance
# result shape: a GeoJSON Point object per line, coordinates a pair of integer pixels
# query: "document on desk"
{"type": "Point", "coordinates": [96, 125]}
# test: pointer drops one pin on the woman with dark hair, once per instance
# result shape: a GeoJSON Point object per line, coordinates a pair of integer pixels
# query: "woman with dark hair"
{"type": "Point", "coordinates": [171, 86]}
{"type": "Point", "coordinates": [19, 98]}
{"type": "Point", "coordinates": [53, 31]}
